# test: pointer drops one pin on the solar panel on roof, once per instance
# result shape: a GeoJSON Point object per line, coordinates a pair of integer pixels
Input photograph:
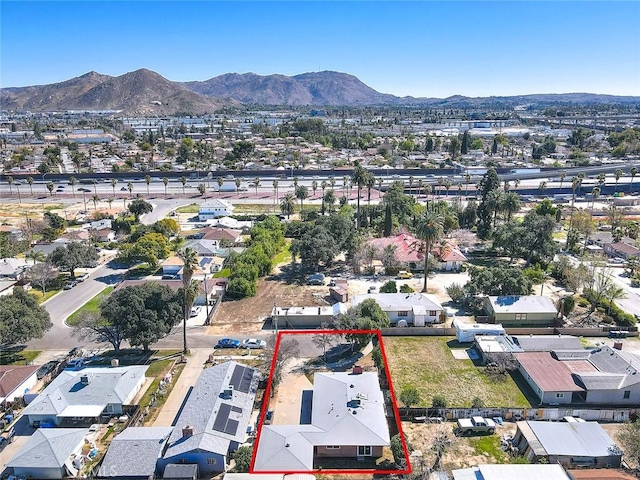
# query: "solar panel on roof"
{"type": "Point", "coordinates": [204, 261]}
{"type": "Point", "coordinates": [247, 378]}
{"type": "Point", "coordinates": [222, 417]}
{"type": "Point", "coordinates": [236, 409]}
{"type": "Point", "coordinates": [236, 377]}
{"type": "Point", "coordinates": [232, 427]}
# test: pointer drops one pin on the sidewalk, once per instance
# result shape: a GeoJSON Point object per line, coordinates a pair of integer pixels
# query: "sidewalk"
{"type": "Point", "coordinates": [188, 378]}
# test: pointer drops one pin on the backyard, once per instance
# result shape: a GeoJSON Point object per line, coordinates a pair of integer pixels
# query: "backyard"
{"type": "Point", "coordinates": [428, 364]}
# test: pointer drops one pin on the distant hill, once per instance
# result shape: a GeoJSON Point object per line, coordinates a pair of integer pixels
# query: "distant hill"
{"type": "Point", "coordinates": [144, 92]}
{"type": "Point", "coordinates": [138, 92]}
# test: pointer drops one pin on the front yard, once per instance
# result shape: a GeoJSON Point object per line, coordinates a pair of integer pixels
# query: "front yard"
{"type": "Point", "coordinates": [92, 306]}
{"type": "Point", "coordinates": [427, 364]}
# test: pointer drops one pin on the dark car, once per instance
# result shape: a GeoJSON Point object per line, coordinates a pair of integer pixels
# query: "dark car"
{"type": "Point", "coordinates": [82, 189]}
{"type": "Point", "coordinates": [45, 369]}
{"type": "Point", "coordinates": [228, 343]}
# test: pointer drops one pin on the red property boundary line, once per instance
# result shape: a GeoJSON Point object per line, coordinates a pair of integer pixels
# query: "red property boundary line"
{"type": "Point", "coordinates": [267, 393]}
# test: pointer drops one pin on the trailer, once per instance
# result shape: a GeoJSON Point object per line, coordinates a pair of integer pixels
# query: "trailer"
{"type": "Point", "coordinates": [466, 332]}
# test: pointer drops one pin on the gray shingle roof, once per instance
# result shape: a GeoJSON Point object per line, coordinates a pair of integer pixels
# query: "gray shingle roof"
{"type": "Point", "coordinates": [201, 408]}
{"type": "Point", "coordinates": [49, 448]}
{"type": "Point", "coordinates": [135, 452]}
{"type": "Point", "coordinates": [106, 385]}
{"type": "Point", "coordinates": [548, 343]}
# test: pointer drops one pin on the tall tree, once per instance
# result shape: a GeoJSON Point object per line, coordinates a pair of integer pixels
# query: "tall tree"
{"type": "Point", "coordinates": [633, 172]}
{"type": "Point", "coordinates": [21, 318]}
{"type": "Point", "coordinates": [72, 182]}
{"type": "Point", "coordinates": [165, 181]}
{"type": "Point", "coordinates": [288, 204]}
{"type": "Point", "coordinates": [359, 178]}
{"type": "Point", "coordinates": [302, 193]}
{"type": "Point", "coordinates": [190, 262]}
{"type": "Point", "coordinates": [139, 207]}
{"type": "Point", "coordinates": [147, 180]}
{"type": "Point", "coordinates": [114, 182]}
{"type": "Point", "coordinates": [73, 255]}
{"type": "Point", "coordinates": [429, 229]}
{"type": "Point", "coordinates": [30, 182]}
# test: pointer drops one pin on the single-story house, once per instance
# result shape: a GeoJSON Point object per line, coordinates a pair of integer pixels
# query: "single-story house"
{"type": "Point", "coordinates": [47, 248]}
{"type": "Point", "coordinates": [416, 309]}
{"type": "Point", "coordinates": [228, 222]}
{"type": "Point", "coordinates": [214, 208]}
{"type": "Point", "coordinates": [521, 310]}
{"type": "Point", "coordinates": [347, 420]}
{"type": "Point", "coordinates": [449, 256]}
{"type": "Point", "coordinates": [15, 381]}
{"type": "Point", "coordinates": [305, 317]}
{"type": "Point", "coordinates": [134, 453]}
{"type": "Point", "coordinates": [577, 444]}
{"type": "Point", "coordinates": [50, 453]}
{"type": "Point", "coordinates": [172, 265]}
{"type": "Point", "coordinates": [100, 224]}
{"type": "Point", "coordinates": [13, 268]}
{"type": "Point", "coordinates": [602, 376]}
{"type": "Point", "coordinates": [620, 249]}
{"type": "Point", "coordinates": [505, 471]}
{"type": "Point", "coordinates": [405, 246]}
{"type": "Point", "coordinates": [86, 395]}
{"type": "Point", "coordinates": [220, 234]}
{"type": "Point", "coordinates": [104, 234]}
{"type": "Point", "coordinates": [212, 264]}
{"type": "Point", "coordinates": [6, 286]}
{"type": "Point", "coordinates": [213, 421]}
{"type": "Point", "coordinates": [204, 247]}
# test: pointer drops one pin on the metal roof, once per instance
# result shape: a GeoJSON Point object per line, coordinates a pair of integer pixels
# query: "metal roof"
{"type": "Point", "coordinates": [522, 304]}
{"type": "Point", "coordinates": [510, 472]}
{"type": "Point", "coordinates": [580, 439]}
{"type": "Point", "coordinates": [134, 452]}
{"type": "Point", "coordinates": [549, 374]}
{"type": "Point", "coordinates": [392, 302]}
{"type": "Point", "coordinates": [548, 343]}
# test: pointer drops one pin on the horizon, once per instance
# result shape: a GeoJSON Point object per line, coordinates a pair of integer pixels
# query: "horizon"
{"type": "Point", "coordinates": [427, 49]}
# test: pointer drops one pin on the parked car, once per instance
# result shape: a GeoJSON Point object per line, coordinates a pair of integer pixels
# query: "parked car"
{"type": "Point", "coordinates": [372, 290]}
{"type": "Point", "coordinates": [228, 343]}
{"type": "Point", "coordinates": [195, 311]}
{"type": "Point", "coordinates": [69, 285]}
{"type": "Point", "coordinates": [405, 275]}
{"type": "Point", "coordinates": [315, 279]}
{"type": "Point", "coordinates": [75, 364]}
{"type": "Point", "coordinates": [82, 277]}
{"type": "Point", "coordinates": [253, 343]}
{"type": "Point", "coordinates": [169, 277]}
{"type": "Point", "coordinates": [123, 189]}
{"type": "Point", "coordinates": [467, 426]}
{"type": "Point", "coordinates": [268, 418]}
{"type": "Point", "coordinates": [82, 189]}
{"type": "Point", "coordinates": [45, 369]}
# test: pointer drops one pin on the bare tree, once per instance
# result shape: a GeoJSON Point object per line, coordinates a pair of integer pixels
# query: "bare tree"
{"type": "Point", "coordinates": [287, 350]}
{"type": "Point", "coordinates": [93, 327]}
{"type": "Point", "coordinates": [41, 274]}
{"type": "Point", "coordinates": [499, 365]}
{"type": "Point", "coordinates": [324, 339]}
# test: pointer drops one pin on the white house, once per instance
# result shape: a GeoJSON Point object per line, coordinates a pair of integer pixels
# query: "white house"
{"type": "Point", "coordinates": [50, 453]}
{"type": "Point", "coordinates": [416, 309]}
{"type": "Point", "coordinates": [214, 208]}
{"type": "Point", "coordinates": [15, 380]}
{"type": "Point", "coordinates": [87, 394]}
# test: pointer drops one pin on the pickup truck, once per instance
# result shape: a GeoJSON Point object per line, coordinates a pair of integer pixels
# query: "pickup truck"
{"type": "Point", "coordinates": [467, 426]}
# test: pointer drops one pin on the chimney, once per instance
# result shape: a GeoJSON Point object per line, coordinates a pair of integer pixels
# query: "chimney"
{"type": "Point", "coordinates": [357, 370]}
{"type": "Point", "coordinates": [187, 431]}
{"type": "Point", "coordinates": [84, 379]}
{"type": "Point", "coordinates": [115, 362]}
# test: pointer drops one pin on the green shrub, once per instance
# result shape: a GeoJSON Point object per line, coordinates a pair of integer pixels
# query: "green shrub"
{"type": "Point", "coordinates": [583, 302]}
{"type": "Point", "coordinates": [439, 401]}
{"type": "Point", "coordinates": [389, 287]}
{"type": "Point", "coordinates": [568, 304]}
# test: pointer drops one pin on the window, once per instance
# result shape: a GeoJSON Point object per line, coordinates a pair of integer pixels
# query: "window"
{"type": "Point", "coordinates": [559, 395]}
{"type": "Point", "coordinates": [332, 447]}
{"type": "Point", "coordinates": [364, 451]}
{"type": "Point", "coordinates": [432, 313]}
{"type": "Point", "coordinates": [211, 461]}
{"type": "Point", "coordinates": [627, 394]}
{"type": "Point", "coordinates": [403, 314]}
{"type": "Point", "coordinates": [521, 316]}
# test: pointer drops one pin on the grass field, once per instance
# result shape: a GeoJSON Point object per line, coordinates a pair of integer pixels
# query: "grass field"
{"type": "Point", "coordinates": [284, 256]}
{"type": "Point", "coordinates": [41, 298]}
{"type": "Point", "coordinates": [193, 208]}
{"type": "Point", "coordinates": [92, 306]}
{"type": "Point", "coordinates": [18, 357]}
{"type": "Point", "coordinates": [427, 364]}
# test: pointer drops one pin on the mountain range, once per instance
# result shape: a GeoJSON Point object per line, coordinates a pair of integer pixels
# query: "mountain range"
{"type": "Point", "coordinates": [144, 92]}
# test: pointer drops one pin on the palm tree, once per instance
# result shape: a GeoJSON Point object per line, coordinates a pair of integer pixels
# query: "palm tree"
{"type": "Point", "coordinates": [109, 201]}
{"type": "Point", "coordinates": [575, 183]}
{"type": "Point", "coordinates": [220, 182]}
{"type": "Point", "coordinates": [130, 187]}
{"type": "Point", "coordinates": [633, 172]}
{"type": "Point", "coordinates": [323, 186]}
{"type": "Point", "coordinates": [72, 182]}
{"type": "Point", "coordinates": [345, 184]}
{"type": "Point", "coordinates": [440, 184]}
{"type": "Point", "coordinates": [36, 256]}
{"type": "Point", "coordinates": [447, 186]}
{"type": "Point", "coordinates": [165, 181]}
{"type": "Point", "coordinates": [332, 182]}
{"type": "Point", "coordinates": [314, 187]}
{"type": "Point", "coordinates": [10, 182]}
{"type": "Point", "coordinates": [302, 193]}
{"type": "Point", "coordinates": [495, 203]}
{"type": "Point", "coordinates": [467, 179]}
{"type": "Point", "coordinates": [411, 179]}
{"type": "Point", "coordinates": [95, 201]}
{"type": "Point", "coordinates": [420, 187]}
{"type": "Point", "coordinates": [147, 180]}
{"type": "Point", "coordinates": [511, 204]}
{"type": "Point", "coordinates": [358, 178]}
{"type": "Point", "coordinates": [618, 174]}
{"type": "Point", "coordinates": [516, 184]}
{"type": "Point", "coordinates": [370, 182]}
{"type": "Point", "coordinates": [114, 182]}
{"type": "Point", "coordinates": [542, 187]}
{"type": "Point", "coordinates": [563, 175]}
{"type": "Point", "coordinates": [190, 260]}
{"type": "Point", "coordinates": [295, 183]}
{"type": "Point", "coordinates": [30, 182]}
{"type": "Point", "coordinates": [184, 184]}
{"type": "Point", "coordinates": [429, 229]}
{"type": "Point", "coordinates": [288, 204]}
{"type": "Point", "coordinates": [595, 193]}
{"type": "Point", "coordinates": [275, 191]}
{"type": "Point", "coordinates": [202, 189]}
{"type": "Point", "coordinates": [256, 183]}
{"type": "Point", "coordinates": [614, 292]}
{"type": "Point", "coordinates": [238, 183]}
{"type": "Point", "coordinates": [330, 199]}
{"type": "Point", "coordinates": [50, 187]}
{"type": "Point", "coordinates": [18, 190]}
{"type": "Point", "coordinates": [427, 191]}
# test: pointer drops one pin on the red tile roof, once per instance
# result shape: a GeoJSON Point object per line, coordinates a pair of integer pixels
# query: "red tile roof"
{"type": "Point", "coordinates": [407, 247]}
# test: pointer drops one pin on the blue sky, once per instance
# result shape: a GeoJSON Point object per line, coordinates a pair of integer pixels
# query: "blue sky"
{"type": "Point", "coordinates": [419, 48]}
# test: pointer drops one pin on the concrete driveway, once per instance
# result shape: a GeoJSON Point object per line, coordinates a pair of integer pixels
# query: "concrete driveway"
{"type": "Point", "coordinates": [288, 403]}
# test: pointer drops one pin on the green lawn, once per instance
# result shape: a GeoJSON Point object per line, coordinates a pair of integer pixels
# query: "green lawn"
{"type": "Point", "coordinates": [193, 208]}
{"type": "Point", "coordinates": [284, 256]}
{"type": "Point", "coordinates": [427, 364]}
{"type": "Point", "coordinates": [92, 306]}
{"type": "Point", "coordinates": [41, 298]}
{"type": "Point", "coordinates": [18, 357]}
{"type": "Point", "coordinates": [224, 273]}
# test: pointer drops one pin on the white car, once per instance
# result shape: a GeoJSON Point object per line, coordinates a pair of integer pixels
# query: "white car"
{"type": "Point", "coordinates": [254, 343]}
